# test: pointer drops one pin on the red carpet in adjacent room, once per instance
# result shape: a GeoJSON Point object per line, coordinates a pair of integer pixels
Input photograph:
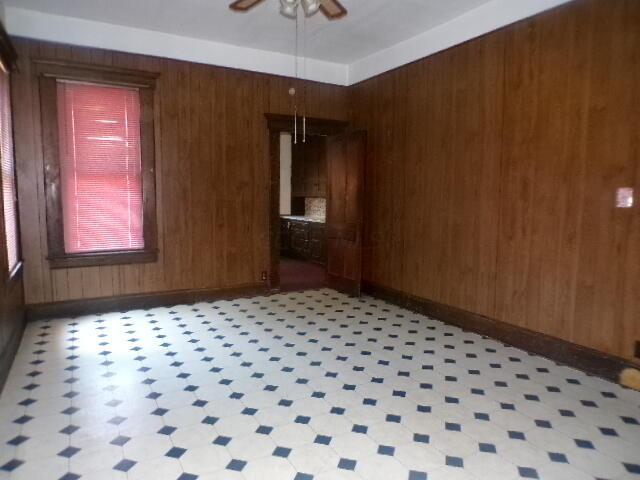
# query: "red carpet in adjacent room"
{"type": "Point", "coordinates": [298, 275]}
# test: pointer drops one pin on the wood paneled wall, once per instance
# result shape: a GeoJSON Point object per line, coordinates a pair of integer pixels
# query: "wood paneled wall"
{"type": "Point", "coordinates": [212, 175]}
{"type": "Point", "coordinates": [490, 181]}
{"type": "Point", "coordinates": [492, 172]}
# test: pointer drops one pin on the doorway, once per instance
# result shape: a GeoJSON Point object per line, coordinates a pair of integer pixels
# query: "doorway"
{"type": "Point", "coordinates": [303, 207]}
{"type": "Point", "coordinates": [316, 205]}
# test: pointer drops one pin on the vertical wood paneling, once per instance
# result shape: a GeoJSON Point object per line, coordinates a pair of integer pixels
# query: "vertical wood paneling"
{"type": "Point", "coordinates": [212, 175]}
{"type": "Point", "coordinates": [490, 179]}
{"type": "Point", "coordinates": [612, 160]}
{"type": "Point", "coordinates": [433, 172]}
{"type": "Point", "coordinates": [384, 117]}
{"type": "Point", "coordinates": [543, 174]}
{"type": "Point", "coordinates": [513, 147]}
{"type": "Point", "coordinates": [571, 139]}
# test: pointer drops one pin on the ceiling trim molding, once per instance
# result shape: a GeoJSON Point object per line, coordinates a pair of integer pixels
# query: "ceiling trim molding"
{"type": "Point", "coordinates": [474, 23]}
{"type": "Point", "coordinates": [74, 31]}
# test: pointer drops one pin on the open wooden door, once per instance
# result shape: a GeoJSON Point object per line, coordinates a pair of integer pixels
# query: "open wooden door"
{"type": "Point", "coordinates": [345, 188]}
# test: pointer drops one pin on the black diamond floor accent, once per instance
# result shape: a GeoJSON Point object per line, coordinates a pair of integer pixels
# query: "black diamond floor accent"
{"type": "Point", "coordinates": [124, 465]}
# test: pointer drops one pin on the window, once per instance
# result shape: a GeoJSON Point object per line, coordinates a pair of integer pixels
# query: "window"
{"type": "Point", "coordinates": [7, 161]}
{"type": "Point", "coordinates": [100, 168]}
{"type": "Point", "coordinates": [98, 142]}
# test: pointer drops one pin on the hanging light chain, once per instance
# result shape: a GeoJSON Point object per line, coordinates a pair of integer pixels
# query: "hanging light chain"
{"type": "Point", "coordinates": [292, 91]}
{"type": "Point", "coordinates": [304, 79]}
{"type": "Point", "coordinates": [289, 8]}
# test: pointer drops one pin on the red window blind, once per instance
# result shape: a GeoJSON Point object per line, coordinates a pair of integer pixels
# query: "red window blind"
{"type": "Point", "coordinates": [100, 167]}
{"type": "Point", "coordinates": [10, 203]}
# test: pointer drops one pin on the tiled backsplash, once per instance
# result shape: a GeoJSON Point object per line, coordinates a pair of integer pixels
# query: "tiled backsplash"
{"type": "Point", "coordinates": [316, 208]}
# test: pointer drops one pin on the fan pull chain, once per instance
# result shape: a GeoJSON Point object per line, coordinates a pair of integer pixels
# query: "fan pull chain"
{"type": "Point", "coordinates": [304, 77]}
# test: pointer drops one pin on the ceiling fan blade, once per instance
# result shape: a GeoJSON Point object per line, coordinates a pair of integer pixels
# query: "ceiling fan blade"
{"type": "Point", "coordinates": [333, 9]}
{"type": "Point", "coordinates": [244, 5]}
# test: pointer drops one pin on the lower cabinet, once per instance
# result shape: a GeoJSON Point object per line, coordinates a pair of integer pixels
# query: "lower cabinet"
{"type": "Point", "coordinates": [285, 236]}
{"type": "Point", "coordinates": [300, 239]}
{"type": "Point", "coordinates": [303, 240]}
{"type": "Point", "coordinates": [317, 243]}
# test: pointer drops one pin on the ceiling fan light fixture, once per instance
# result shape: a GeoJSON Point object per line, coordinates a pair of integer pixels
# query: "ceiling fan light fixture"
{"type": "Point", "coordinates": [311, 7]}
{"type": "Point", "coordinates": [332, 9]}
{"type": "Point", "coordinates": [289, 8]}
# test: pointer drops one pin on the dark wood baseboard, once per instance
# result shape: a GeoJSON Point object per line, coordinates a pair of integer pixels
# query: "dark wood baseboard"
{"type": "Point", "coordinates": [73, 308]}
{"type": "Point", "coordinates": [9, 353]}
{"type": "Point", "coordinates": [576, 356]}
{"type": "Point", "coordinates": [344, 285]}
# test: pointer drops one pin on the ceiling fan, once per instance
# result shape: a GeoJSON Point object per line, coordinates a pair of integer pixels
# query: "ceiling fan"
{"type": "Point", "coordinates": [332, 9]}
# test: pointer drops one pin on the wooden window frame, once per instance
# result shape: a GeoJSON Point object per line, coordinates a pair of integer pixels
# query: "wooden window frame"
{"type": "Point", "coordinates": [49, 72]}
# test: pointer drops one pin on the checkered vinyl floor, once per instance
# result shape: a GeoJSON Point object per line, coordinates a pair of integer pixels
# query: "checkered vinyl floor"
{"type": "Point", "coordinates": [311, 385]}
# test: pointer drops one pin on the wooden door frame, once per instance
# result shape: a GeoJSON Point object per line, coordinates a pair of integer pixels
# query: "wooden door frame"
{"type": "Point", "coordinates": [277, 124]}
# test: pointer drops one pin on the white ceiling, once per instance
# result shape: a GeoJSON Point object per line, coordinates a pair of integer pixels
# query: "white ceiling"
{"type": "Point", "coordinates": [371, 27]}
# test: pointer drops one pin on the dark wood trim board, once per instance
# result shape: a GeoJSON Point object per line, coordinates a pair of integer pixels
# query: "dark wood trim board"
{"type": "Point", "coordinates": [576, 356]}
{"type": "Point", "coordinates": [73, 308]}
{"type": "Point", "coordinates": [7, 356]}
{"type": "Point", "coordinates": [8, 55]}
{"type": "Point", "coordinates": [315, 126]}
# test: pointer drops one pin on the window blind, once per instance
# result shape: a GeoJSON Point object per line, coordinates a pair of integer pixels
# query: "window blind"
{"type": "Point", "coordinates": [9, 197]}
{"type": "Point", "coordinates": [100, 167]}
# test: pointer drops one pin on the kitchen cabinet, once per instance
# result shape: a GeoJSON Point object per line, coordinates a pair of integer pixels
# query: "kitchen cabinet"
{"type": "Point", "coordinates": [317, 243]}
{"type": "Point", "coordinates": [303, 239]}
{"type": "Point", "coordinates": [285, 237]}
{"type": "Point", "coordinates": [308, 168]}
{"type": "Point", "coordinates": [299, 239]}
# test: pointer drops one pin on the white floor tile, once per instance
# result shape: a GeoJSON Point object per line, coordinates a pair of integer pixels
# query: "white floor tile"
{"type": "Point", "coordinates": [311, 383]}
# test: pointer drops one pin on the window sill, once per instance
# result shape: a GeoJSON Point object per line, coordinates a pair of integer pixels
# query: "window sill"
{"type": "Point", "coordinates": [95, 259]}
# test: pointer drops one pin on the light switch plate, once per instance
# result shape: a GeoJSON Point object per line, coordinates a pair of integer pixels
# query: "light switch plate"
{"type": "Point", "coordinates": [624, 197]}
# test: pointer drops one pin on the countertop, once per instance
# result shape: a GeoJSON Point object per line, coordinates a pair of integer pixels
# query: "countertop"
{"type": "Point", "coordinates": [302, 218]}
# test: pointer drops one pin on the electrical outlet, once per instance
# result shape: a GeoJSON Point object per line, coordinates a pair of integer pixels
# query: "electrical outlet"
{"type": "Point", "coordinates": [264, 275]}
{"type": "Point", "coordinates": [637, 350]}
